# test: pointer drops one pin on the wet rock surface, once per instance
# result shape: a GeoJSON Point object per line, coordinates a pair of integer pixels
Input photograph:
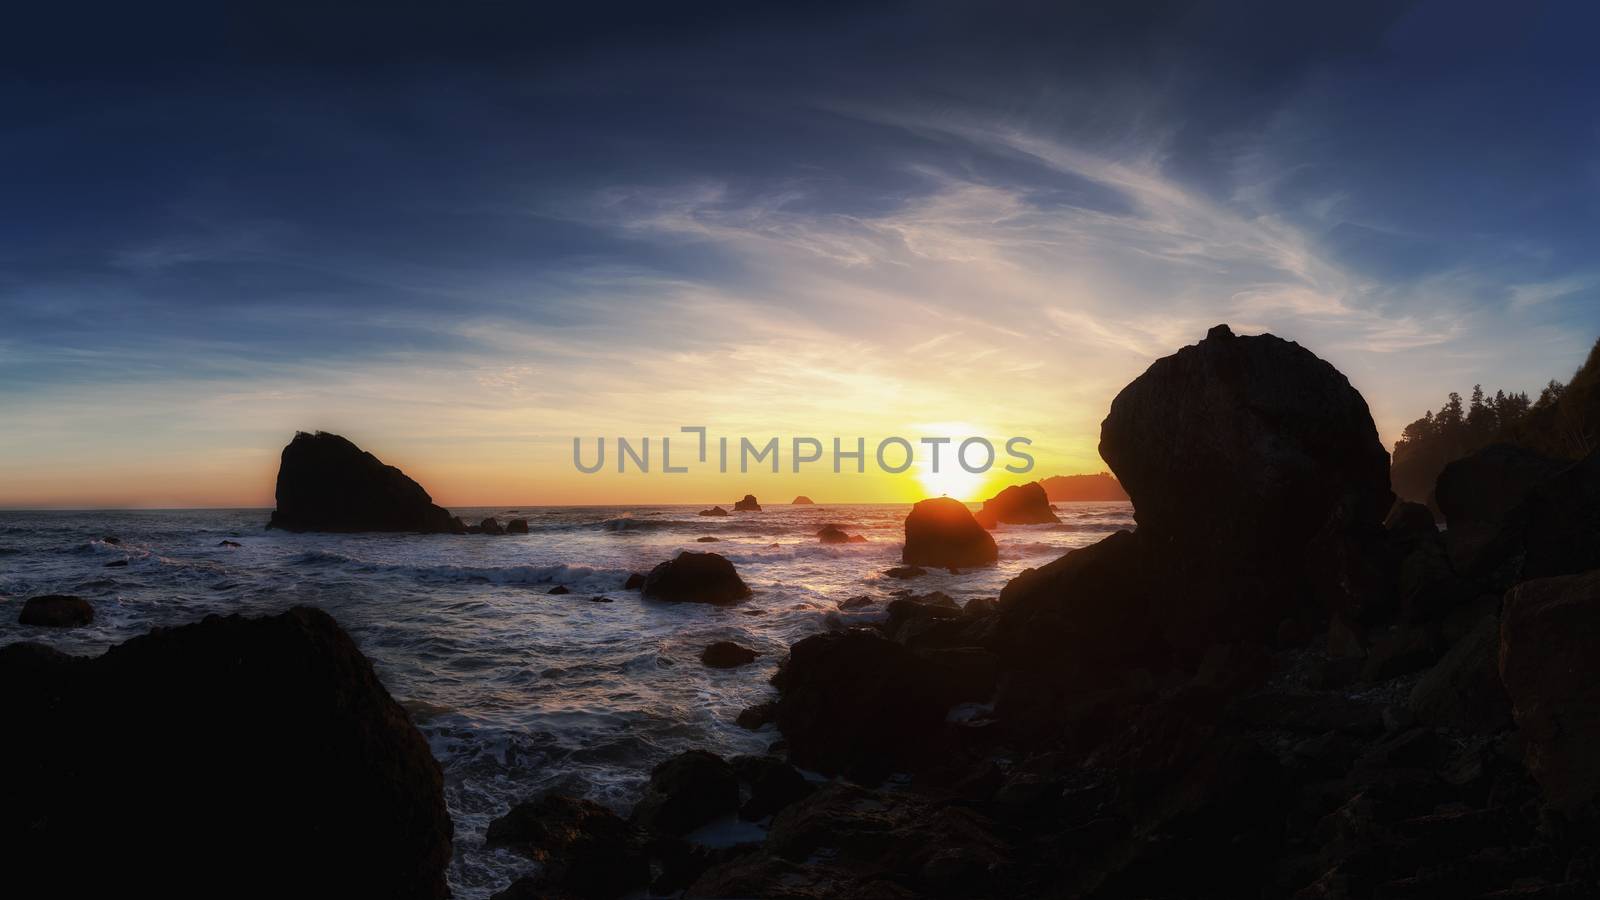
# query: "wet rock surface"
{"type": "Point", "coordinates": [696, 578]}
{"type": "Point", "coordinates": [943, 532]}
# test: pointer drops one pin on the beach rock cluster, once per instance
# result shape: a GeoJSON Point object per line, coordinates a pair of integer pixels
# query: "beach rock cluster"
{"type": "Point", "coordinates": [1282, 684]}
{"type": "Point", "coordinates": [191, 757]}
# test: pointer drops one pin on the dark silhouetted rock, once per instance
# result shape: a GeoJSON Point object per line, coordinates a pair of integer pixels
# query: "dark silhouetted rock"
{"type": "Point", "coordinates": [111, 539]}
{"type": "Point", "coordinates": [773, 783]}
{"type": "Point", "coordinates": [1555, 530]}
{"type": "Point", "coordinates": [905, 572]}
{"type": "Point", "coordinates": [229, 544]}
{"type": "Point", "coordinates": [117, 564]}
{"type": "Point", "coordinates": [1463, 691]}
{"type": "Point", "coordinates": [858, 704]}
{"type": "Point", "coordinates": [1479, 489]}
{"type": "Point", "coordinates": [268, 744]}
{"type": "Point", "coordinates": [517, 526]}
{"type": "Point", "coordinates": [326, 483]}
{"type": "Point", "coordinates": [687, 791]}
{"type": "Point", "coordinates": [833, 534]}
{"type": "Point", "coordinates": [583, 849]}
{"type": "Point", "coordinates": [634, 581]}
{"type": "Point", "coordinates": [857, 602]}
{"type": "Point", "coordinates": [559, 589]}
{"type": "Point", "coordinates": [802, 500]}
{"type": "Point", "coordinates": [942, 532]}
{"type": "Point", "coordinates": [707, 539]}
{"type": "Point", "coordinates": [1410, 521]}
{"type": "Point", "coordinates": [696, 578]}
{"type": "Point", "coordinates": [713, 511]}
{"type": "Point", "coordinates": [1097, 487]}
{"type": "Point", "coordinates": [1019, 504]}
{"type": "Point", "coordinates": [747, 504]}
{"type": "Point", "coordinates": [490, 525]}
{"type": "Point", "coordinates": [753, 717]}
{"type": "Point", "coordinates": [1256, 473]}
{"type": "Point", "coordinates": [727, 655]}
{"type": "Point", "coordinates": [1551, 673]}
{"type": "Point", "coordinates": [56, 611]}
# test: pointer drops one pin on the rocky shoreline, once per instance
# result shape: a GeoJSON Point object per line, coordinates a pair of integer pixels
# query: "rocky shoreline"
{"type": "Point", "coordinates": [1282, 684]}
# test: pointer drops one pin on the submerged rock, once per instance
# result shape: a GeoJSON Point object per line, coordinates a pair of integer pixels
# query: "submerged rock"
{"type": "Point", "coordinates": [1019, 504]}
{"type": "Point", "coordinates": [634, 581]}
{"type": "Point", "coordinates": [268, 744]}
{"type": "Point", "coordinates": [727, 655]}
{"type": "Point", "coordinates": [942, 532]}
{"type": "Point", "coordinates": [583, 848]}
{"type": "Point", "coordinates": [707, 539]}
{"type": "Point", "coordinates": [326, 483]}
{"type": "Point", "coordinates": [905, 572]}
{"type": "Point", "coordinates": [692, 577]}
{"type": "Point", "coordinates": [57, 611]}
{"type": "Point", "coordinates": [747, 504]}
{"type": "Point", "coordinates": [833, 534]}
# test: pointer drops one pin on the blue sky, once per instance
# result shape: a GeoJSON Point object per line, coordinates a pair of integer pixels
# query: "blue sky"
{"type": "Point", "coordinates": [462, 234]}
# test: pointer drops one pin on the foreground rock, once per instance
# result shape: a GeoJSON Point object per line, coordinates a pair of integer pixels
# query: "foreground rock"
{"type": "Point", "coordinates": [56, 611]}
{"type": "Point", "coordinates": [268, 744]}
{"type": "Point", "coordinates": [1019, 504]}
{"type": "Point", "coordinates": [583, 849]}
{"type": "Point", "coordinates": [727, 655]}
{"type": "Point", "coordinates": [942, 532]}
{"type": "Point", "coordinates": [688, 791]}
{"type": "Point", "coordinates": [1552, 675]}
{"type": "Point", "coordinates": [748, 504]}
{"type": "Point", "coordinates": [692, 577]}
{"type": "Point", "coordinates": [326, 483]}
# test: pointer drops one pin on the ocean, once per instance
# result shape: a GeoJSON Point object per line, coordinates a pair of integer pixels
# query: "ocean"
{"type": "Point", "coordinates": [516, 689]}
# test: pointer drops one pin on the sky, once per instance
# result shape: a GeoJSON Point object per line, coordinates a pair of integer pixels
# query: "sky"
{"type": "Point", "coordinates": [463, 234]}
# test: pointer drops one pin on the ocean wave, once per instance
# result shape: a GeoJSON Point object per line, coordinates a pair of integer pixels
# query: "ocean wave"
{"type": "Point", "coordinates": [589, 577]}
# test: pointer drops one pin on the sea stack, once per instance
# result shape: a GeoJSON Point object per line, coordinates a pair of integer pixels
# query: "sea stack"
{"type": "Point", "coordinates": [748, 504]}
{"type": "Point", "coordinates": [1019, 504]}
{"type": "Point", "coordinates": [942, 532]}
{"type": "Point", "coordinates": [802, 500]}
{"type": "Point", "coordinates": [327, 483]}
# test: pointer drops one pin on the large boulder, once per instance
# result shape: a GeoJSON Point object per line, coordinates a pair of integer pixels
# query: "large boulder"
{"type": "Point", "coordinates": [326, 483]}
{"type": "Point", "coordinates": [692, 577]}
{"type": "Point", "coordinates": [1256, 475]}
{"type": "Point", "coordinates": [1463, 692]}
{"type": "Point", "coordinates": [258, 749]}
{"type": "Point", "coordinates": [1555, 530]}
{"type": "Point", "coordinates": [687, 791]}
{"type": "Point", "coordinates": [1481, 488]}
{"type": "Point", "coordinates": [943, 532]}
{"type": "Point", "coordinates": [747, 504]}
{"type": "Point", "coordinates": [1551, 671]}
{"type": "Point", "coordinates": [1019, 504]}
{"type": "Point", "coordinates": [583, 848]}
{"type": "Point", "coordinates": [56, 611]}
{"type": "Point", "coordinates": [858, 704]}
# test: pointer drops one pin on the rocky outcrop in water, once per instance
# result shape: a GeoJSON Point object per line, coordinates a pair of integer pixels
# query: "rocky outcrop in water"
{"type": "Point", "coordinates": [517, 526]}
{"type": "Point", "coordinates": [696, 578]}
{"type": "Point", "coordinates": [942, 532]}
{"type": "Point", "coordinates": [583, 849]}
{"type": "Point", "coordinates": [57, 611]}
{"type": "Point", "coordinates": [747, 504]}
{"type": "Point", "coordinates": [1019, 504]}
{"type": "Point", "coordinates": [802, 500]}
{"type": "Point", "coordinates": [713, 511]}
{"type": "Point", "coordinates": [326, 483]}
{"type": "Point", "coordinates": [258, 748]}
{"type": "Point", "coordinates": [727, 655]}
